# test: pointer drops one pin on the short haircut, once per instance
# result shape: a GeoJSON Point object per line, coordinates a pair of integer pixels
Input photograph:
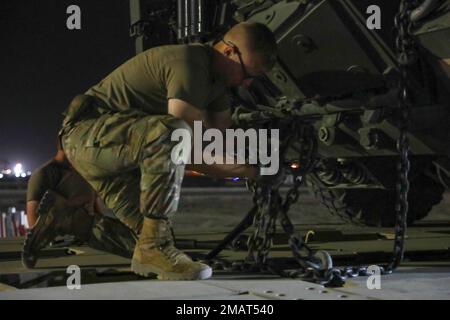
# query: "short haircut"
{"type": "Point", "coordinates": [259, 40]}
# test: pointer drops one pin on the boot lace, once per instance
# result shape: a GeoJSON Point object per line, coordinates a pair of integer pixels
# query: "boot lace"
{"type": "Point", "coordinates": [172, 253]}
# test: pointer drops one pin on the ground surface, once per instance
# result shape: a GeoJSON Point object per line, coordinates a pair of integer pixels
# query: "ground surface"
{"type": "Point", "coordinates": [205, 216]}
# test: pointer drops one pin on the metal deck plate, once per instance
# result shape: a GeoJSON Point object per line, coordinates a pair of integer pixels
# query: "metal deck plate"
{"type": "Point", "coordinates": [425, 273]}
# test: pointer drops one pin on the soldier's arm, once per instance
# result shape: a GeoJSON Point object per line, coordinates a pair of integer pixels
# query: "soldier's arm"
{"type": "Point", "coordinates": [220, 120]}
{"type": "Point", "coordinates": [183, 110]}
{"type": "Point", "coordinates": [180, 109]}
{"type": "Point", "coordinates": [218, 113]}
{"type": "Point", "coordinates": [37, 185]}
{"type": "Point", "coordinates": [32, 215]}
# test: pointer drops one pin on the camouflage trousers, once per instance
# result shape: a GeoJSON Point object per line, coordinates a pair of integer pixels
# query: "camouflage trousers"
{"type": "Point", "coordinates": [126, 158]}
{"type": "Point", "coordinates": [111, 235]}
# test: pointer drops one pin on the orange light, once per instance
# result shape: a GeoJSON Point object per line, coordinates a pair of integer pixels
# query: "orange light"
{"type": "Point", "coordinates": [295, 165]}
{"type": "Point", "coordinates": [193, 173]}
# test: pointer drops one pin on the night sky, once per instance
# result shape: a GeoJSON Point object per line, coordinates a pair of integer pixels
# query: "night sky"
{"type": "Point", "coordinates": [43, 65]}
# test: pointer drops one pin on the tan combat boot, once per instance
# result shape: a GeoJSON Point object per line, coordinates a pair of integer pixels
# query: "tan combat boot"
{"type": "Point", "coordinates": [155, 253]}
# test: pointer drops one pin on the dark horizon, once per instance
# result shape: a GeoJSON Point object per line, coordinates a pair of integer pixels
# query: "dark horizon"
{"type": "Point", "coordinates": [44, 65]}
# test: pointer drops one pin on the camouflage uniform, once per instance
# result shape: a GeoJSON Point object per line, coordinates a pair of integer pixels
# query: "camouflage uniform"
{"type": "Point", "coordinates": [126, 159]}
{"type": "Point", "coordinates": [106, 233]}
{"type": "Point", "coordinates": [118, 135]}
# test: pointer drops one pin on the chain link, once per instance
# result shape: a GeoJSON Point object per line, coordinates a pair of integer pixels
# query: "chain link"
{"type": "Point", "coordinates": [269, 205]}
{"type": "Point", "coordinates": [407, 55]}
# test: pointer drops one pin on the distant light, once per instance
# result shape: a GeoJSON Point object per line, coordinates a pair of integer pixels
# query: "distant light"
{"type": "Point", "coordinates": [1, 175]}
{"type": "Point", "coordinates": [235, 179]}
{"type": "Point", "coordinates": [28, 173]}
{"type": "Point", "coordinates": [23, 219]}
{"type": "Point", "coordinates": [18, 169]}
{"type": "Point", "coordinates": [23, 174]}
{"type": "Point", "coordinates": [295, 165]}
{"type": "Point", "coordinates": [17, 175]}
{"type": "Point", "coordinates": [8, 171]}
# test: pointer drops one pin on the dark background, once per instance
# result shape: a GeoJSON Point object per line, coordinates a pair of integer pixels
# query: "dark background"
{"type": "Point", "coordinates": [43, 65]}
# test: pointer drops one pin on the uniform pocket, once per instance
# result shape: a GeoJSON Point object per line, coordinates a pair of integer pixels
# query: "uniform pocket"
{"type": "Point", "coordinates": [113, 129]}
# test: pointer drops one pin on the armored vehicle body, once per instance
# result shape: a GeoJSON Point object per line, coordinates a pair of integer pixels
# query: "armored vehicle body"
{"type": "Point", "coordinates": [338, 74]}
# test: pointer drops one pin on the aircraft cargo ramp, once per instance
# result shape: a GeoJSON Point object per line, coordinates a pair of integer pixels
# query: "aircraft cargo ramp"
{"type": "Point", "coordinates": [203, 222]}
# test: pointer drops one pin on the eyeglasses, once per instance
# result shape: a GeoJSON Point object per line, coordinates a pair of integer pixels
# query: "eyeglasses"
{"type": "Point", "coordinates": [247, 76]}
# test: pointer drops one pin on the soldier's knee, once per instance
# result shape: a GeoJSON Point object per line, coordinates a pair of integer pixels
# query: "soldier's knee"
{"type": "Point", "coordinates": [180, 141]}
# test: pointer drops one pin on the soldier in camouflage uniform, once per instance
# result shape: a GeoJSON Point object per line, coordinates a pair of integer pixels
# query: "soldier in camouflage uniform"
{"type": "Point", "coordinates": [84, 216]}
{"type": "Point", "coordinates": [118, 135]}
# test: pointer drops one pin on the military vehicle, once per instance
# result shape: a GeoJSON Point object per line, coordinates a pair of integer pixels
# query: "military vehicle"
{"type": "Point", "coordinates": [338, 75]}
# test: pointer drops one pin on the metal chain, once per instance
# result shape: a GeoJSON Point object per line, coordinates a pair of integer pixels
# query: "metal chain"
{"type": "Point", "coordinates": [267, 201]}
{"type": "Point", "coordinates": [264, 222]}
{"type": "Point", "coordinates": [270, 206]}
{"type": "Point", "coordinates": [406, 56]}
{"type": "Point", "coordinates": [295, 242]}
